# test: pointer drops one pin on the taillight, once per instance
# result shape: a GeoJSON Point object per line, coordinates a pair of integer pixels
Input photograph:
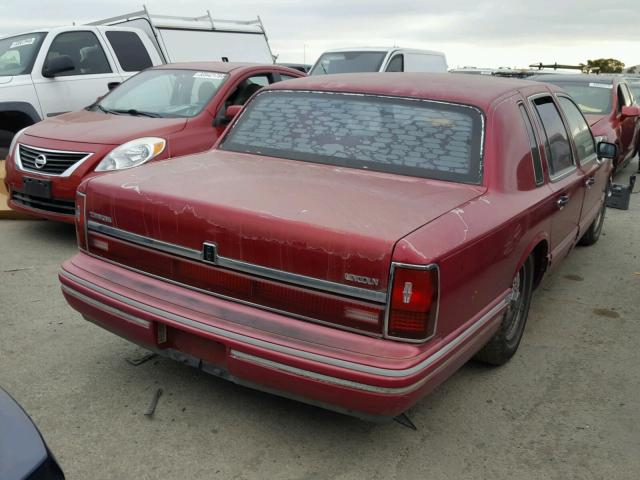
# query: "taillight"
{"type": "Point", "coordinates": [413, 306]}
{"type": "Point", "coordinates": [81, 219]}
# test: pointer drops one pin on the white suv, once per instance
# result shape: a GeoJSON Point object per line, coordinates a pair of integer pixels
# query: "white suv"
{"type": "Point", "coordinates": [52, 71]}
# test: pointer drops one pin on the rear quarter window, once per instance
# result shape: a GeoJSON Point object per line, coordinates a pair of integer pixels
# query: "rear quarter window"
{"type": "Point", "coordinates": [396, 135]}
{"type": "Point", "coordinates": [130, 51]}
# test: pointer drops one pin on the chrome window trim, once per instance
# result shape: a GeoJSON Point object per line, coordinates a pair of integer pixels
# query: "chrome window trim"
{"type": "Point", "coordinates": [523, 110]}
{"type": "Point", "coordinates": [569, 170]}
{"type": "Point", "coordinates": [66, 173]}
{"type": "Point", "coordinates": [385, 328]}
{"type": "Point", "coordinates": [240, 266]}
{"type": "Point", "coordinates": [349, 365]}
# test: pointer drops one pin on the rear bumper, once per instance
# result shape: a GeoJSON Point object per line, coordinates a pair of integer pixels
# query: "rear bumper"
{"type": "Point", "coordinates": [363, 376]}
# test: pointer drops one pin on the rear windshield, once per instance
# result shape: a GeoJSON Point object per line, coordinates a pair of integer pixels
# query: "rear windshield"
{"type": "Point", "coordinates": [348, 62]}
{"type": "Point", "coordinates": [591, 97]}
{"type": "Point", "coordinates": [18, 53]}
{"type": "Point", "coordinates": [387, 134]}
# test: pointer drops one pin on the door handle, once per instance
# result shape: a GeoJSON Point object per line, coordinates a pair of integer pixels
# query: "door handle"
{"type": "Point", "coordinates": [562, 201]}
{"type": "Point", "coordinates": [591, 181]}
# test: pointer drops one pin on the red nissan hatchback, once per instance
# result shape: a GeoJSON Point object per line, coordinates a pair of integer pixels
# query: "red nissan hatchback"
{"type": "Point", "coordinates": [163, 112]}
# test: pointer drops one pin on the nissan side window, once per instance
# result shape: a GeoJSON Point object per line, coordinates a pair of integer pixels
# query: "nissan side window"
{"type": "Point", "coordinates": [557, 146]}
{"type": "Point", "coordinates": [624, 99]}
{"type": "Point", "coordinates": [533, 143]}
{"type": "Point", "coordinates": [130, 51]}
{"type": "Point", "coordinates": [396, 64]}
{"type": "Point", "coordinates": [582, 137]}
{"type": "Point", "coordinates": [84, 50]}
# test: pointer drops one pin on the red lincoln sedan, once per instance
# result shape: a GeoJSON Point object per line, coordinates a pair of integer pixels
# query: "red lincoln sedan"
{"type": "Point", "coordinates": [352, 240]}
{"type": "Point", "coordinates": [163, 112]}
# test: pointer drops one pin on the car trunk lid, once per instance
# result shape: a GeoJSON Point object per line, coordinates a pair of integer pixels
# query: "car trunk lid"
{"type": "Point", "coordinates": [312, 226]}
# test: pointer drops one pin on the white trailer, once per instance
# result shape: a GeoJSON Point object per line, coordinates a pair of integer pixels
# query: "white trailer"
{"type": "Point", "coordinates": [204, 38]}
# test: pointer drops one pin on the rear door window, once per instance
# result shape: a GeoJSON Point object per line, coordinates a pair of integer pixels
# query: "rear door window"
{"type": "Point", "coordinates": [582, 137]}
{"type": "Point", "coordinates": [396, 64]}
{"type": "Point", "coordinates": [533, 143]}
{"type": "Point", "coordinates": [130, 51]}
{"type": "Point", "coordinates": [557, 145]}
{"type": "Point", "coordinates": [404, 136]}
{"type": "Point", "coordinates": [85, 51]}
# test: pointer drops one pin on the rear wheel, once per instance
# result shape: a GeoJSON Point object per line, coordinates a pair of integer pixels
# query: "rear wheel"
{"type": "Point", "coordinates": [505, 342]}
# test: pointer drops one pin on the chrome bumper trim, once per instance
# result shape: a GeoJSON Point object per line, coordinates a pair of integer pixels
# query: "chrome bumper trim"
{"type": "Point", "coordinates": [101, 306]}
{"type": "Point", "coordinates": [240, 266]}
{"type": "Point", "coordinates": [348, 365]}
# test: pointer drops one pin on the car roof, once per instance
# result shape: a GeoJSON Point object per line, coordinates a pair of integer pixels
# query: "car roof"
{"type": "Point", "coordinates": [221, 67]}
{"type": "Point", "coordinates": [381, 49]}
{"type": "Point", "coordinates": [576, 78]}
{"type": "Point", "coordinates": [478, 90]}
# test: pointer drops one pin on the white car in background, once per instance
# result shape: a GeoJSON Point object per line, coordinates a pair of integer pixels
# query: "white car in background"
{"type": "Point", "coordinates": [50, 71]}
{"type": "Point", "coordinates": [385, 59]}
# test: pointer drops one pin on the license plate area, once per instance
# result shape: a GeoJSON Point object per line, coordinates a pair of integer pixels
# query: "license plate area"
{"type": "Point", "coordinates": [205, 349]}
{"type": "Point", "coordinates": [36, 187]}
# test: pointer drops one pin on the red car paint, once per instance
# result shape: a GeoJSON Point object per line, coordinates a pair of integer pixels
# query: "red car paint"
{"type": "Point", "coordinates": [148, 272]}
{"type": "Point", "coordinates": [615, 126]}
{"type": "Point", "coordinates": [98, 133]}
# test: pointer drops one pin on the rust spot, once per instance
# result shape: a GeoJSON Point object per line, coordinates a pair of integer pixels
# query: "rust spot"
{"type": "Point", "coordinates": [575, 278]}
{"type": "Point", "coordinates": [605, 312]}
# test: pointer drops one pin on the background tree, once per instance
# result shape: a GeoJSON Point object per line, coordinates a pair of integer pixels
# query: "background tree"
{"type": "Point", "coordinates": [633, 70]}
{"type": "Point", "coordinates": [605, 65]}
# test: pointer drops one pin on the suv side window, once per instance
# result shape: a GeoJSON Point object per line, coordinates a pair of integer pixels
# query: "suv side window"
{"type": "Point", "coordinates": [85, 51]}
{"type": "Point", "coordinates": [582, 137]}
{"type": "Point", "coordinates": [131, 53]}
{"type": "Point", "coordinates": [557, 146]}
{"type": "Point", "coordinates": [396, 64]}
{"type": "Point", "coordinates": [533, 143]}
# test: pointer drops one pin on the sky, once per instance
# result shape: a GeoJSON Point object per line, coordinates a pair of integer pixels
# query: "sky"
{"type": "Point", "coordinates": [481, 33]}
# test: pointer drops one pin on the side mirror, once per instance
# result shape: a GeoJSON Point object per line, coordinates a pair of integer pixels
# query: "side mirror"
{"type": "Point", "coordinates": [112, 85]}
{"type": "Point", "coordinates": [23, 452]}
{"type": "Point", "coordinates": [630, 111]}
{"type": "Point", "coordinates": [607, 150]}
{"type": "Point", "coordinates": [58, 65]}
{"type": "Point", "coordinates": [232, 112]}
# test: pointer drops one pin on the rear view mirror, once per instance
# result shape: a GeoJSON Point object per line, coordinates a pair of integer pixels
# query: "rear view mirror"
{"type": "Point", "coordinates": [630, 111]}
{"type": "Point", "coordinates": [232, 112]}
{"type": "Point", "coordinates": [57, 65]}
{"type": "Point", "coordinates": [607, 150]}
{"type": "Point", "coordinates": [23, 452]}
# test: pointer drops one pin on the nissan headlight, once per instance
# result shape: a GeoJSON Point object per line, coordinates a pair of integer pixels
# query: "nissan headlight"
{"type": "Point", "coordinates": [132, 154]}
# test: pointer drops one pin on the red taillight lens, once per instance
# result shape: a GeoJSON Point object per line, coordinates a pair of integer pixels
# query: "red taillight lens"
{"type": "Point", "coordinates": [414, 302]}
{"type": "Point", "coordinates": [81, 219]}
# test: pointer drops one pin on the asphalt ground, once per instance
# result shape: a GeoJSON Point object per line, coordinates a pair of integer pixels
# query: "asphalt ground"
{"type": "Point", "coordinates": [566, 406]}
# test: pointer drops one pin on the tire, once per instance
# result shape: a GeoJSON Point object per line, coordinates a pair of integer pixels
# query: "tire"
{"type": "Point", "coordinates": [5, 142]}
{"type": "Point", "coordinates": [592, 234]}
{"type": "Point", "coordinates": [505, 342]}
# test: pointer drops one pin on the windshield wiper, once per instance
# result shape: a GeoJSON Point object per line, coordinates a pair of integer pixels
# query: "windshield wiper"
{"type": "Point", "coordinates": [137, 113]}
{"type": "Point", "coordinates": [102, 109]}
